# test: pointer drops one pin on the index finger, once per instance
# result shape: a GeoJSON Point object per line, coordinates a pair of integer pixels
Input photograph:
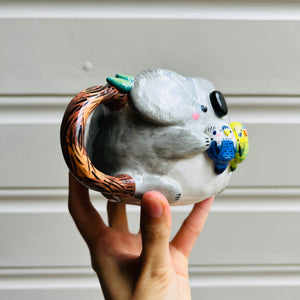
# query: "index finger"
{"type": "Point", "coordinates": [85, 216]}
{"type": "Point", "coordinates": [192, 226]}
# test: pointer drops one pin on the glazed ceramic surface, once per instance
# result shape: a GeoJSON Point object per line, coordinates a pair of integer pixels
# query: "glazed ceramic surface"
{"type": "Point", "coordinates": [155, 131]}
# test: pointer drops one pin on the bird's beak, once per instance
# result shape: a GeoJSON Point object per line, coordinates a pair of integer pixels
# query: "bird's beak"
{"type": "Point", "coordinates": [245, 132]}
{"type": "Point", "coordinates": [227, 131]}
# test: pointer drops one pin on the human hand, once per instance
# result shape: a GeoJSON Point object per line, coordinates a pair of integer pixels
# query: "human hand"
{"type": "Point", "coordinates": [144, 265]}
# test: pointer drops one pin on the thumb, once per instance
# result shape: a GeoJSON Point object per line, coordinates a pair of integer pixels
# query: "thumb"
{"type": "Point", "coordinates": [155, 229]}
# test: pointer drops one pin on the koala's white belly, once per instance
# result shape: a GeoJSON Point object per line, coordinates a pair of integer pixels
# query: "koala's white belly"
{"type": "Point", "coordinates": [198, 179]}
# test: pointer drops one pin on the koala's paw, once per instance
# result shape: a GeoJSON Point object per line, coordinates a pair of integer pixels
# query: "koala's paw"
{"type": "Point", "coordinates": [207, 142]}
{"type": "Point", "coordinates": [201, 142]}
{"type": "Point", "coordinates": [171, 190]}
{"type": "Point", "coordinates": [168, 187]}
{"type": "Point", "coordinates": [177, 197]}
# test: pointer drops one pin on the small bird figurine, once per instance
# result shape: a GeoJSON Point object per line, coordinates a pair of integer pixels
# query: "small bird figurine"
{"type": "Point", "coordinates": [242, 148]}
{"type": "Point", "coordinates": [222, 148]}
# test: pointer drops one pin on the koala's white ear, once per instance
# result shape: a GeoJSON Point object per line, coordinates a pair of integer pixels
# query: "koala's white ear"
{"type": "Point", "coordinates": [161, 97]}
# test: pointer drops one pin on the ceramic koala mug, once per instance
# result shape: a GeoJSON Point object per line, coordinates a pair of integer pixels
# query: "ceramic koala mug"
{"type": "Point", "coordinates": [155, 131]}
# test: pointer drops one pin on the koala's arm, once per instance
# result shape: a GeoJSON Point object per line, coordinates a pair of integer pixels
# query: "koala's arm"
{"type": "Point", "coordinates": [175, 142]}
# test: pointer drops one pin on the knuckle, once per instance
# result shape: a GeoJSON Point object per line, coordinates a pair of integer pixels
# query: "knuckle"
{"type": "Point", "coordinates": [154, 234]}
{"type": "Point", "coordinates": [159, 276]}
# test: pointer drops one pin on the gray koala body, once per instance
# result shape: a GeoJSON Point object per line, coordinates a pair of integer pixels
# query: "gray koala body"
{"type": "Point", "coordinates": [159, 137]}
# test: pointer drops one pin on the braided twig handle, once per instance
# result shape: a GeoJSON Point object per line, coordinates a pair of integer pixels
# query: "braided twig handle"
{"type": "Point", "coordinates": [118, 188]}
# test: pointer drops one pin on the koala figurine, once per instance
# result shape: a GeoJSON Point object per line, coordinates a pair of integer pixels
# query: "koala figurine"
{"type": "Point", "coordinates": [172, 136]}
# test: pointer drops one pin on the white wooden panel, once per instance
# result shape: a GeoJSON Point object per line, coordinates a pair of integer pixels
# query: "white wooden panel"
{"type": "Point", "coordinates": [48, 52]}
{"type": "Point", "coordinates": [229, 238]}
{"type": "Point", "coordinates": [264, 110]}
{"type": "Point", "coordinates": [247, 293]}
{"type": "Point", "coordinates": [47, 278]}
{"type": "Point", "coordinates": [41, 56]}
{"type": "Point", "coordinates": [57, 293]}
{"type": "Point", "coordinates": [208, 283]}
{"type": "Point", "coordinates": [203, 9]}
{"type": "Point", "coordinates": [33, 110]}
{"type": "Point", "coordinates": [271, 157]}
{"type": "Point", "coordinates": [207, 293]}
{"type": "Point", "coordinates": [31, 156]}
{"type": "Point", "coordinates": [244, 228]}
{"type": "Point", "coordinates": [248, 110]}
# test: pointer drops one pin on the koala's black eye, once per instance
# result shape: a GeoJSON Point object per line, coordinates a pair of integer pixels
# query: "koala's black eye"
{"type": "Point", "coordinates": [218, 103]}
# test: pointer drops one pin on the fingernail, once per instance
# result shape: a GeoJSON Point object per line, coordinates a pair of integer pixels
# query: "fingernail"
{"type": "Point", "coordinates": [152, 207]}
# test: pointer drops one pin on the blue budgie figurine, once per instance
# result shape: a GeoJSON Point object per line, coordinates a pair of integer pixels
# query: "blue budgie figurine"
{"type": "Point", "coordinates": [222, 148]}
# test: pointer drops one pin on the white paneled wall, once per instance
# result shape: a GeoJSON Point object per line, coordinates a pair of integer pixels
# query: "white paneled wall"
{"type": "Point", "coordinates": [250, 248]}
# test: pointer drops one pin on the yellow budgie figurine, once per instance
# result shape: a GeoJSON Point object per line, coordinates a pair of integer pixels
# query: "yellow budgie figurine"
{"type": "Point", "coordinates": [242, 144]}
